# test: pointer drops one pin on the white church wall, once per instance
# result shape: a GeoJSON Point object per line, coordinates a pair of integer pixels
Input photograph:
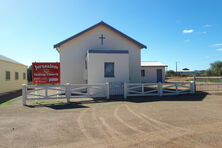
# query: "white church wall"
{"type": "Point", "coordinates": [96, 67]}
{"type": "Point", "coordinates": [72, 54]}
{"type": "Point", "coordinates": [151, 74]}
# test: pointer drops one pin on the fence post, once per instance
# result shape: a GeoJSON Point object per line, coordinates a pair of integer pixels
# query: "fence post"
{"type": "Point", "coordinates": [194, 83]}
{"type": "Point", "coordinates": [221, 82]}
{"type": "Point", "coordinates": [107, 90]}
{"type": "Point", "coordinates": [160, 89]}
{"type": "Point", "coordinates": [177, 92]}
{"type": "Point", "coordinates": [46, 92]}
{"type": "Point", "coordinates": [125, 90]}
{"type": "Point", "coordinates": [68, 92]}
{"type": "Point", "coordinates": [24, 94]}
{"type": "Point", "coordinates": [142, 88]}
{"type": "Point", "coordinates": [192, 87]}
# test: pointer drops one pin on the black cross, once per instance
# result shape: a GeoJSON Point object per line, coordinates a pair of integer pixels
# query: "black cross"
{"type": "Point", "coordinates": [102, 38]}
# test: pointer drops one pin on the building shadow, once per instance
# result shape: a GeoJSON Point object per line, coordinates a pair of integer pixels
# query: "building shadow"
{"type": "Point", "coordinates": [4, 97]}
{"type": "Point", "coordinates": [199, 96]}
{"type": "Point", "coordinates": [59, 106]}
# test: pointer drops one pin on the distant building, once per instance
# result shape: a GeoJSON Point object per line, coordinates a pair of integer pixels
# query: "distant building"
{"type": "Point", "coordinates": [185, 69]}
{"type": "Point", "coordinates": [190, 71]}
{"type": "Point", "coordinates": [12, 74]}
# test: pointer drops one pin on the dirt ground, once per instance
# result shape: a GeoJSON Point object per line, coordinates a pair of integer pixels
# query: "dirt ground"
{"type": "Point", "coordinates": [173, 121]}
{"type": "Point", "coordinates": [178, 79]}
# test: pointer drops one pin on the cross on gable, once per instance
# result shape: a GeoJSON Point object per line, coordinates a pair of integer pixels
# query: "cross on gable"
{"type": "Point", "coordinates": [102, 38]}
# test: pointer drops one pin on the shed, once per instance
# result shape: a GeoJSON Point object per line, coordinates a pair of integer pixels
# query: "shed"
{"type": "Point", "coordinates": [152, 71]}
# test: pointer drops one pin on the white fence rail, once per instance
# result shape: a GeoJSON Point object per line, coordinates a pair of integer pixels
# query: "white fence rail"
{"type": "Point", "coordinates": [157, 89]}
{"type": "Point", "coordinates": [43, 92]}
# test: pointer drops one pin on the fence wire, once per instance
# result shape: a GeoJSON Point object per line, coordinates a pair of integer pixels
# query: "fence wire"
{"type": "Point", "coordinates": [209, 83]}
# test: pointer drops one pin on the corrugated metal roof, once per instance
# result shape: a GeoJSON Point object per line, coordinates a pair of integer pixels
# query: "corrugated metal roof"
{"type": "Point", "coordinates": [4, 58]}
{"type": "Point", "coordinates": [152, 64]}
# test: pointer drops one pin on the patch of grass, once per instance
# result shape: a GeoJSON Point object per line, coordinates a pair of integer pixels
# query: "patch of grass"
{"type": "Point", "coordinates": [40, 102]}
{"type": "Point", "coordinates": [217, 94]}
{"type": "Point", "coordinates": [207, 80]}
{"type": "Point", "coordinates": [10, 102]}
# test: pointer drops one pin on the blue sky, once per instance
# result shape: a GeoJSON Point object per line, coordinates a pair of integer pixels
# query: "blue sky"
{"type": "Point", "coordinates": [186, 31]}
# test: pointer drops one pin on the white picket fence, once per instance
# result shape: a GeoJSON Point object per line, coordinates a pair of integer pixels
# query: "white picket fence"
{"type": "Point", "coordinates": [43, 92]}
{"type": "Point", "coordinates": [157, 89]}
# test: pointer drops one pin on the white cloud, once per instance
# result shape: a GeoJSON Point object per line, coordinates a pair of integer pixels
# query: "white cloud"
{"type": "Point", "coordinates": [207, 25]}
{"type": "Point", "coordinates": [216, 45]}
{"type": "Point", "coordinates": [204, 32]}
{"type": "Point", "coordinates": [207, 57]}
{"type": "Point", "coordinates": [220, 49]}
{"type": "Point", "coordinates": [187, 40]}
{"type": "Point", "coordinates": [188, 31]}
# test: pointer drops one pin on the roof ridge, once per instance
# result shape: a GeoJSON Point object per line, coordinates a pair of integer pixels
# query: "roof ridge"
{"type": "Point", "coordinates": [92, 27]}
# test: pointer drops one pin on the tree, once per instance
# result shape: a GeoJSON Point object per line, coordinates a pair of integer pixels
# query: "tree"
{"type": "Point", "coordinates": [170, 73]}
{"type": "Point", "coordinates": [29, 73]}
{"type": "Point", "coordinates": [215, 69]}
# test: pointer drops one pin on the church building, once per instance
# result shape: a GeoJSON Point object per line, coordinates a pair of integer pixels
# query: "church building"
{"type": "Point", "coordinates": [100, 54]}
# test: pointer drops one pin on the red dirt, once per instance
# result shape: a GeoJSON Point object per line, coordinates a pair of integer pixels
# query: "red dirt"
{"type": "Point", "coordinates": [134, 123]}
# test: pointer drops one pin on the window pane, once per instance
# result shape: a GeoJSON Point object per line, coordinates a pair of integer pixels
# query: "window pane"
{"type": "Point", "coordinates": [24, 76]}
{"type": "Point", "coordinates": [109, 70]}
{"type": "Point", "coordinates": [7, 75]}
{"type": "Point", "coordinates": [142, 72]}
{"type": "Point", "coordinates": [16, 75]}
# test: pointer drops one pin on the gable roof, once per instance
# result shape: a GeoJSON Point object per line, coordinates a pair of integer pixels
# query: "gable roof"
{"type": "Point", "coordinates": [4, 58]}
{"type": "Point", "coordinates": [101, 23]}
{"type": "Point", "coordinates": [152, 64]}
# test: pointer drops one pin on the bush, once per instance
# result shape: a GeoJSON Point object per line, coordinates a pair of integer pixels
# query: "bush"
{"type": "Point", "coordinates": [170, 73]}
{"type": "Point", "coordinates": [215, 69]}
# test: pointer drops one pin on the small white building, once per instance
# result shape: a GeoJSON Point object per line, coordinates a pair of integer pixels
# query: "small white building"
{"type": "Point", "coordinates": [12, 74]}
{"type": "Point", "coordinates": [100, 54]}
{"type": "Point", "coordinates": [152, 71]}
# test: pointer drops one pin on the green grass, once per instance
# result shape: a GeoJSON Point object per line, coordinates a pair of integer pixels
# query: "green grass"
{"type": "Point", "coordinates": [207, 80]}
{"type": "Point", "coordinates": [46, 102]}
{"type": "Point", "coordinates": [10, 102]}
{"type": "Point", "coordinates": [220, 94]}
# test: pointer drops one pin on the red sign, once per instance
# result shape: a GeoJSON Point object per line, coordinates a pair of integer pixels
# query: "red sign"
{"type": "Point", "coordinates": [46, 73]}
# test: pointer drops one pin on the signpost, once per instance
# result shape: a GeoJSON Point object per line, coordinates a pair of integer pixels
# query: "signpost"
{"type": "Point", "coordinates": [45, 73]}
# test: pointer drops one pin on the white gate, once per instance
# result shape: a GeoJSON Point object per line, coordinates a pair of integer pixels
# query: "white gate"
{"type": "Point", "coordinates": [153, 89]}
{"type": "Point", "coordinates": [141, 89]}
{"type": "Point", "coordinates": [43, 92]}
{"type": "Point", "coordinates": [116, 88]}
{"type": "Point", "coordinates": [87, 90]}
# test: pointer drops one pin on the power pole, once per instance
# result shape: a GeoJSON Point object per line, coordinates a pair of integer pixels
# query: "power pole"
{"type": "Point", "coordinates": [176, 68]}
